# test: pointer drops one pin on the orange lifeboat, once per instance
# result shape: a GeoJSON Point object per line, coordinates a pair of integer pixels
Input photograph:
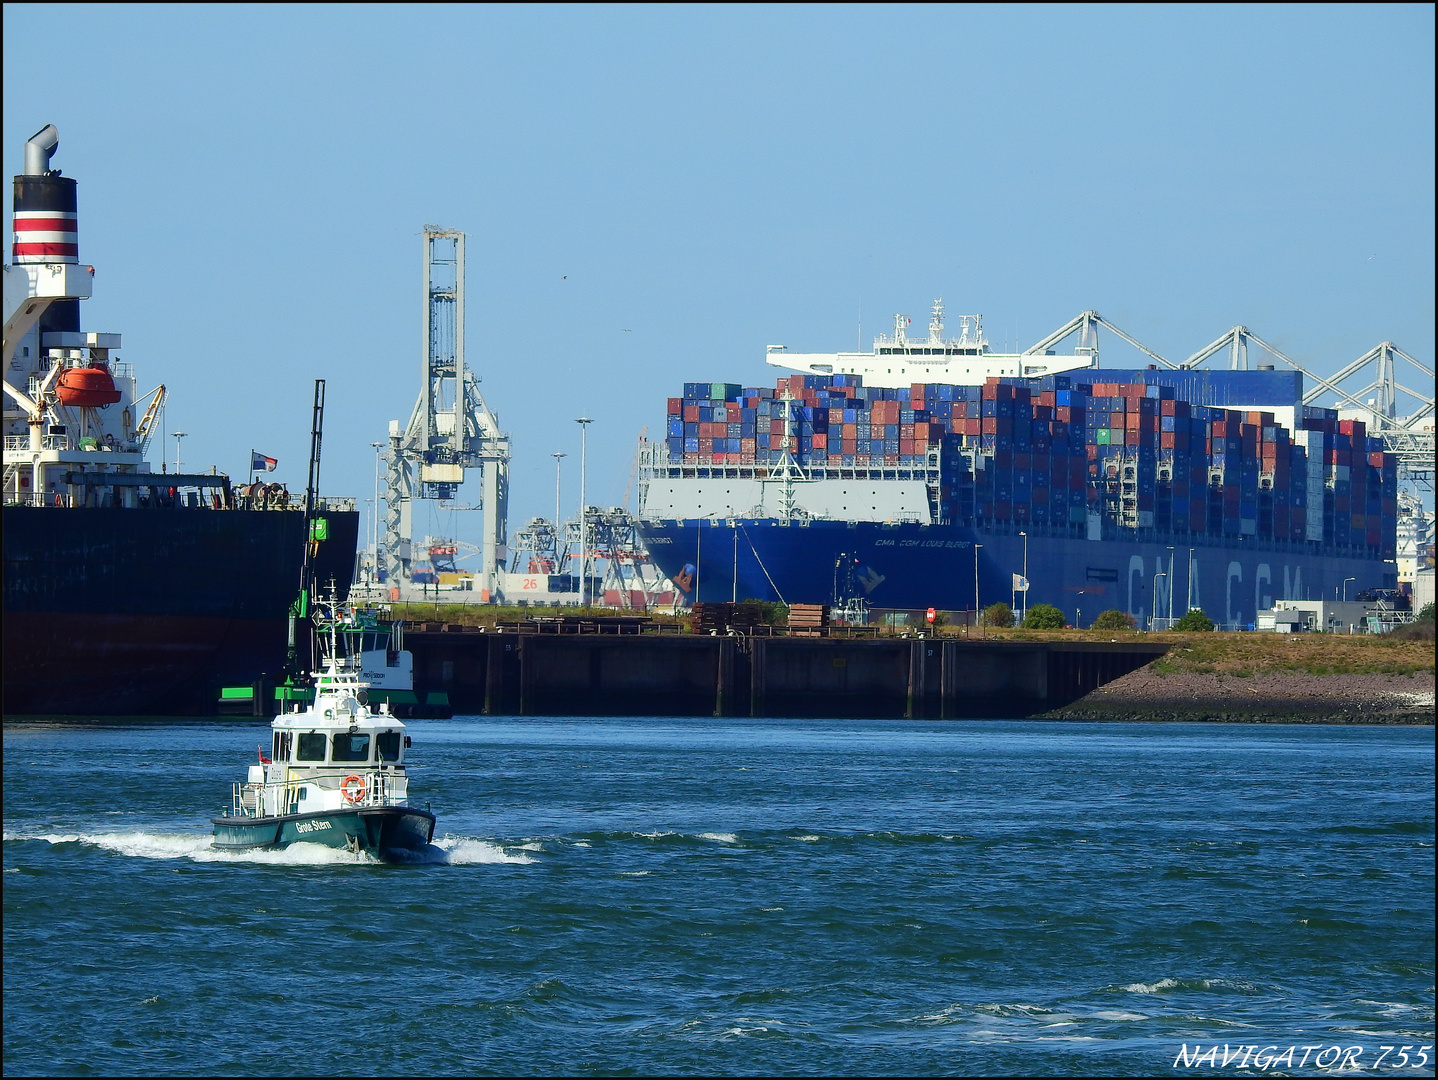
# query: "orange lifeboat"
{"type": "Point", "coordinates": [88, 387]}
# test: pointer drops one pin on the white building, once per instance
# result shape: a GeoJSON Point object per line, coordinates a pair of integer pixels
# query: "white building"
{"type": "Point", "coordinates": [1319, 616]}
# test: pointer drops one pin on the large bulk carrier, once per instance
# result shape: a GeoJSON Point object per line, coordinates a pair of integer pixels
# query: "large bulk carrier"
{"type": "Point", "coordinates": [127, 591]}
{"type": "Point", "coordinates": [937, 473]}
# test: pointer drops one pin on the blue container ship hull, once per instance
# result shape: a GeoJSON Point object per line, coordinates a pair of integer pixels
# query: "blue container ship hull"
{"type": "Point", "coordinates": [914, 566]}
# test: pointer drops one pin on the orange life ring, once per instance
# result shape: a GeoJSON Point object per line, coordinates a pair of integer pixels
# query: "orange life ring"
{"type": "Point", "coordinates": [353, 788]}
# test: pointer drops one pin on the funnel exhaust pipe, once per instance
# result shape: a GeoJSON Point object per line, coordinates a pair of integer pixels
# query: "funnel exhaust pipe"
{"type": "Point", "coordinates": [38, 149]}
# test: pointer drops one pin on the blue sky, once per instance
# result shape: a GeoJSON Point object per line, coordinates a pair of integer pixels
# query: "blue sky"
{"type": "Point", "coordinates": [710, 179]}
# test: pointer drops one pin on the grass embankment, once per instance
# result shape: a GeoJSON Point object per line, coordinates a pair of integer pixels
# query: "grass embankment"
{"type": "Point", "coordinates": [1270, 678]}
{"type": "Point", "coordinates": [1244, 655]}
{"type": "Point", "coordinates": [1241, 655]}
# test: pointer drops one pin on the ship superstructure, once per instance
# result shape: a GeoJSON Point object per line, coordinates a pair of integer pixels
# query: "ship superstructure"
{"type": "Point", "coordinates": [119, 600]}
{"type": "Point", "coordinates": [71, 407]}
{"type": "Point", "coordinates": [900, 360]}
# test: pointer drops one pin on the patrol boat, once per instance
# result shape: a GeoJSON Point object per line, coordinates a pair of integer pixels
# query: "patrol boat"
{"type": "Point", "coordinates": [335, 774]}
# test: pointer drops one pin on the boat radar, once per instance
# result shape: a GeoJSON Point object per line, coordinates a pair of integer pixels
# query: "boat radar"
{"type": "Point", "coordinates": [898, 360]}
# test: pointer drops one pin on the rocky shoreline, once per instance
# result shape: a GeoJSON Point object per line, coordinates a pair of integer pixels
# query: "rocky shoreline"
{"type": "Point", "coordinates": [1271, 697]}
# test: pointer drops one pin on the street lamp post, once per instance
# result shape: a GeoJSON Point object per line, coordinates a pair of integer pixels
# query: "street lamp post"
{"type": "Point", "coordinates": [1170, 588]}
{"type": "Point", "coordinates": [178, 436]}
{"type": "Point", "coordinates": [378, 446]}
{"type": "Point", "coordinates": [583, 423]}
{"type": "Point", "coordinates": [1025, 535]}
{"type": "Point", "coordinates": [1154, 617]}
{"type": "Point", "coordinates": [976, 585]}
{"type": "Point", "coordinates": [1189, 576]}
{"type": "Point", "coordinates": [558, 473]}
{"type": "Point", "coordinates": [1345, 580]}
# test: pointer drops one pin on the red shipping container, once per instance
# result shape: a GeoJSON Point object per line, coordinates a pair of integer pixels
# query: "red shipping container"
{"type": "Point", "coordinates": [747, 446]}
{"type": "Point", "coordinates": [836, 416]}
{"type": "Point", "coordinates": [921, 433]}
{"type": "Point", "coordinates": [849, 446]}
{"type": "Point", "coordinates": [676, 406]}
{"type": "Point", "coordinates": [906, 446]}
{"type": "Point", "coordinates": [821, 441]}
{"type": "Point", "coordinates": [691, 414]}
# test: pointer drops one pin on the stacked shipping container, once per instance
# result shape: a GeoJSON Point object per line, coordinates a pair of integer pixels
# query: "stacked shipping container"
{"type": "Point", "coordinates": [1064, 454]}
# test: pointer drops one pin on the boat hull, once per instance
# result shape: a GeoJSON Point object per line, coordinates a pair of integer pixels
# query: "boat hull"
{"type": "Point", "coordinates": [112, 611]}
{"type": "Point", "coordinates": [913, 566]}
{"type": "Point", "coordinates": [381, 832]}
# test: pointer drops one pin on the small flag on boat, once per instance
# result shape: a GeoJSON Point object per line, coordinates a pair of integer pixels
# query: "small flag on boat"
{"type": "Point", "coordinates": [1021, 583]}
{"type": "Point", "coordinates": [260, 463]}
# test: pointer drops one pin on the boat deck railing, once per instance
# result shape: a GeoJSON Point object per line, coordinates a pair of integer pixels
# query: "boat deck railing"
{"type": "Point", "coordinates": [377, 787]}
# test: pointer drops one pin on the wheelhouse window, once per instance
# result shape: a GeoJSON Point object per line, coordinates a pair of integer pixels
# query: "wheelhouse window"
{"type": "Point", "coordinates": [351, 747]}
{"type": "Point", "coordinates": [387, 744]}
{"type": "Point", "coordinates": [282, 745]}
{"type": "Point", "coordinates": [311, 746]}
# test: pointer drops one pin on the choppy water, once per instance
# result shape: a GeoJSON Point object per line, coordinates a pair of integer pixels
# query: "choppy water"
{"type": "Point", "coordinates": [691, 896]}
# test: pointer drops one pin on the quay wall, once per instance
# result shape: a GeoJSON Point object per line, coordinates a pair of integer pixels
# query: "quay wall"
{"type": "Point", "coordinates": [531, 674]}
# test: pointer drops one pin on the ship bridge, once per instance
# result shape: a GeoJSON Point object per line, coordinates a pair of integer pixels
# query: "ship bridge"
{"type": "Point", "coordinates": [966, 360]}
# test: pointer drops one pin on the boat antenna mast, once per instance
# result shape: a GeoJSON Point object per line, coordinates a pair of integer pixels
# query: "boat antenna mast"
{"type": "Point", "coordinates": [300, 609]}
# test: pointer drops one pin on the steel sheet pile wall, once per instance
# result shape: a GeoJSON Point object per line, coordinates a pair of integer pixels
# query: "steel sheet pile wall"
{"type": "Point", "coordinates": [1070, 456]}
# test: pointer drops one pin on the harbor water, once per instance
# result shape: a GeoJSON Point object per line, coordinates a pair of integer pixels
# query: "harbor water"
{"type": "Point", "coordinates": [643, 896]}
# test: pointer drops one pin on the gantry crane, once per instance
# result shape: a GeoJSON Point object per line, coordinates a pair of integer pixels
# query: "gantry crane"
{"type": "Point", "coordinates": [451, 429]}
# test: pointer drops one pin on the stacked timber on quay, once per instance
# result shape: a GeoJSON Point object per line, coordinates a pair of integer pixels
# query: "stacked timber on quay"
{"type": "Point", "coordinates": [529, 672]}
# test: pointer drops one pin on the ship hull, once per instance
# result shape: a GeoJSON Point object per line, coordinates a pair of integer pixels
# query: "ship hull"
{"type": "Point", "coordinates": [140, 612]}
{"type": "Point", "coordinates": [913, 566]}
{"type": "Point", "coordinates": [380, 832]}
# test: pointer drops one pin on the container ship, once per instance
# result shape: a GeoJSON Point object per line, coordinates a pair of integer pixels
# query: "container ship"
{"type": "Point", "coordinates": [959, 477]}
{"type": "Point", "coordinates": [127, 591]}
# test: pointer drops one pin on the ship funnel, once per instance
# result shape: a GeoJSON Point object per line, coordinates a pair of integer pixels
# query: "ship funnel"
{"type": "Point", "coordinates": [46, 224]}
{"type": "Point", "coordinates": [38, 148]}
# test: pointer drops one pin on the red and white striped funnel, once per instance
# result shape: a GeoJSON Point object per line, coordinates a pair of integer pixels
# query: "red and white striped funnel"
{"type": "Point", "coordinates": [46, 224]}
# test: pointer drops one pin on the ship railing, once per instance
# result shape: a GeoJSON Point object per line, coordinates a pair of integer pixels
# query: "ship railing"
{"type": "Point", "coordinates": [247, 800]}
{"type": "Point", "coordinates": [47, 442]}
{"type": "Point", "coordinates": [385, 786]}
